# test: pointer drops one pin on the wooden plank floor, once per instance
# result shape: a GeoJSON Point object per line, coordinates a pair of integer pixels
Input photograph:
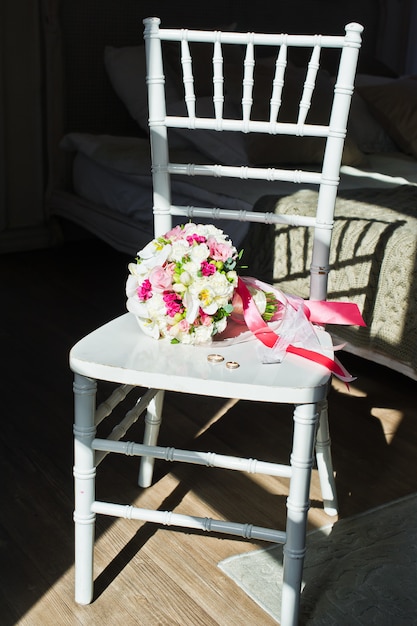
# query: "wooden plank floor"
{"type": "Point", "coordinates": [145, 575]}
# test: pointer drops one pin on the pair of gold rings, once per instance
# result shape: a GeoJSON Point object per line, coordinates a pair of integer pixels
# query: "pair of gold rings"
{"type": "Point", "coordinates": [218, 358]}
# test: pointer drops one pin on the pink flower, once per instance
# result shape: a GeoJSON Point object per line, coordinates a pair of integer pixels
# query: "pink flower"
{"type": "Point", "coordinates": [184, 326]}
{"type": "Point", "coordinates": [144, 290]}
{"type": "Point", "coordinates": [161, 278]}
{"type": "Point", "coordinates": [173, 305]}
{"type": "Point", "coordinates": [208, 269]}
{"type": "Point", "coordinates": [218, 251]}
{"type": "Point", "coordinates": [176, 233]}
{"type": "Point", "coordinates": [195, 238]}
{"type": "Point", "coordinates": [205, 319]}
{"type": "Point", "coordinates": [170, 296]}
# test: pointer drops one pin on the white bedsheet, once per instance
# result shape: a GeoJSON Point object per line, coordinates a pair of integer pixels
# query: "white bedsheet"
{"type": "Point", "coordinates": [114, 172]}
{"type": "Point", "coordinates": [130, 156]}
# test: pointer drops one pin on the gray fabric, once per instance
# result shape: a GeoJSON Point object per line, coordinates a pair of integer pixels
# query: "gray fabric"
{"type": "Point", "coordinates": [360, 571]}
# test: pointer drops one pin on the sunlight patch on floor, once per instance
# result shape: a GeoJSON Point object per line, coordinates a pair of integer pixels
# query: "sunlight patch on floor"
{"type": "Point", "coordinates": [229, 404]}
{"type": "Point", "coordinates": [390, 420]}
{"type": "Point", "coordinates": [341, 387]}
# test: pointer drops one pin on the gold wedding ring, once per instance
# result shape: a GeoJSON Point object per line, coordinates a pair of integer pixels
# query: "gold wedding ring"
{"type": "Point", "coordinates": [232, 365]}
{"type": "Point", "coordinates": [215, 358]}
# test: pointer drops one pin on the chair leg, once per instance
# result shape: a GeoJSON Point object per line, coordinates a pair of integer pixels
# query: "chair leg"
{"type": "Point", "coordinates": [324, 463]}
{"type": "Point", "coordinates": [152, 425]}
{"type": "Point", "coordinates": [84, 483]}
{"type": "Point", "coordinates": [305, 422]}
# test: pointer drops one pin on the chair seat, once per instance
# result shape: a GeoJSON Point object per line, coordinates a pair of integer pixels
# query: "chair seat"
{"type": "Point", "coordinates": [120, 352]}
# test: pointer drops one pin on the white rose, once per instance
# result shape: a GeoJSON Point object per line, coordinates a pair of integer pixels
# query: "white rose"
{"type": "Point", "coordinates": [220, 285]}
{"type": "Point", "coordinates": [232, 277]}
{"type": "Point", "coordinates": [203, 334]}
{"type": "Point", "coordinates": [179, 288]}
{"type": "Point", "coordinates": [191, 269]}
{"type": "Point", "coordinates": [221, 325]}
{"type": "Point", "coordinates": [187, 338]}
{"type": "Point", "coordinates": [185, 278]}
{"type": "Point", "coordinates": [209, 230]}
{"type": "Point", "coordinates": [155, 306]}
{"type": "Point", "coordinates": [179, 249]}
{"type": "Point", "coordinates": [199, 283]}
{"type": "Point", "coordinates": [199, 253]}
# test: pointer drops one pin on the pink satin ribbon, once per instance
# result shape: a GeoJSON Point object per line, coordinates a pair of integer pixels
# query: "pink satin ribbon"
{"type": "Point", "coordinates": [319, 312]}
{"type": "Point", "coordinates": [324, 312]}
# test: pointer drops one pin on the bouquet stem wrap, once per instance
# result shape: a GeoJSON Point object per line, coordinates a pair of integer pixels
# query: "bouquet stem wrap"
{"type": "Point", "coordinates": [296, 317]}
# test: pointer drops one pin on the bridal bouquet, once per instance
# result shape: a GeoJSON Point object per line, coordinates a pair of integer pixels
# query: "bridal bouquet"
{"type": "Point", "coordinates": [182, 284]}
{"type": "Point", "coordinates": [184, 287]}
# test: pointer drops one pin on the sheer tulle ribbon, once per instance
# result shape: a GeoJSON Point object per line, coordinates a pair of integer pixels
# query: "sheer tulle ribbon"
{"type": "Point", "coordinates": [317, 312]}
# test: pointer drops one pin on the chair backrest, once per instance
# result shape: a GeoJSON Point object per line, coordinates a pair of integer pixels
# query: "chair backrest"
{"type": "Point", "coordinates": [235, 108]}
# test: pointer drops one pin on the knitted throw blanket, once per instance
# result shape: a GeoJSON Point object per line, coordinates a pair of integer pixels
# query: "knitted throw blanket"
{"type": "Point", "coordinates": [373, 262]}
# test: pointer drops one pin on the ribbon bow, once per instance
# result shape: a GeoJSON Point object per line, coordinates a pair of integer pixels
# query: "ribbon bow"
{"type": "Point", "coordinates": [319, 312]}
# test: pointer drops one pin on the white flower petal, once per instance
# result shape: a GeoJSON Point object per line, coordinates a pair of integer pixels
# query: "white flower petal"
{"type": "Point", "coordinates": [131, 286]}
{"type": "Point", "coordinates": [192, 306]}
{"type": "Point", "coordinates": [137, 308]}
{"type": "Point", "coordinates": [149, 327]}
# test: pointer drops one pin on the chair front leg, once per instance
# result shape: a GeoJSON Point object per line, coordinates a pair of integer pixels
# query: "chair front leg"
{"type": "Point", "coordinates": [298, 503]}
{"type": "Point", "coordinates": [152, 425]}
{"type": "Point", "coordinates": [84, 485]}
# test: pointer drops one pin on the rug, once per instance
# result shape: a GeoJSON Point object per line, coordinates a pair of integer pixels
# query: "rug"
{"type": "Point", "coordinates": [360, 570]}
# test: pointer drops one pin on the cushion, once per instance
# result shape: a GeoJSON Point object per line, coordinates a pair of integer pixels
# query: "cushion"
{"type": "Point", "coordinates": [394, 105]}
{"type": "Point", "coordinates": [363, 127]}
{"type": "Point", "coordinates": [369, 135]}
{"type": "Point", "coordinates": [126, 69]}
